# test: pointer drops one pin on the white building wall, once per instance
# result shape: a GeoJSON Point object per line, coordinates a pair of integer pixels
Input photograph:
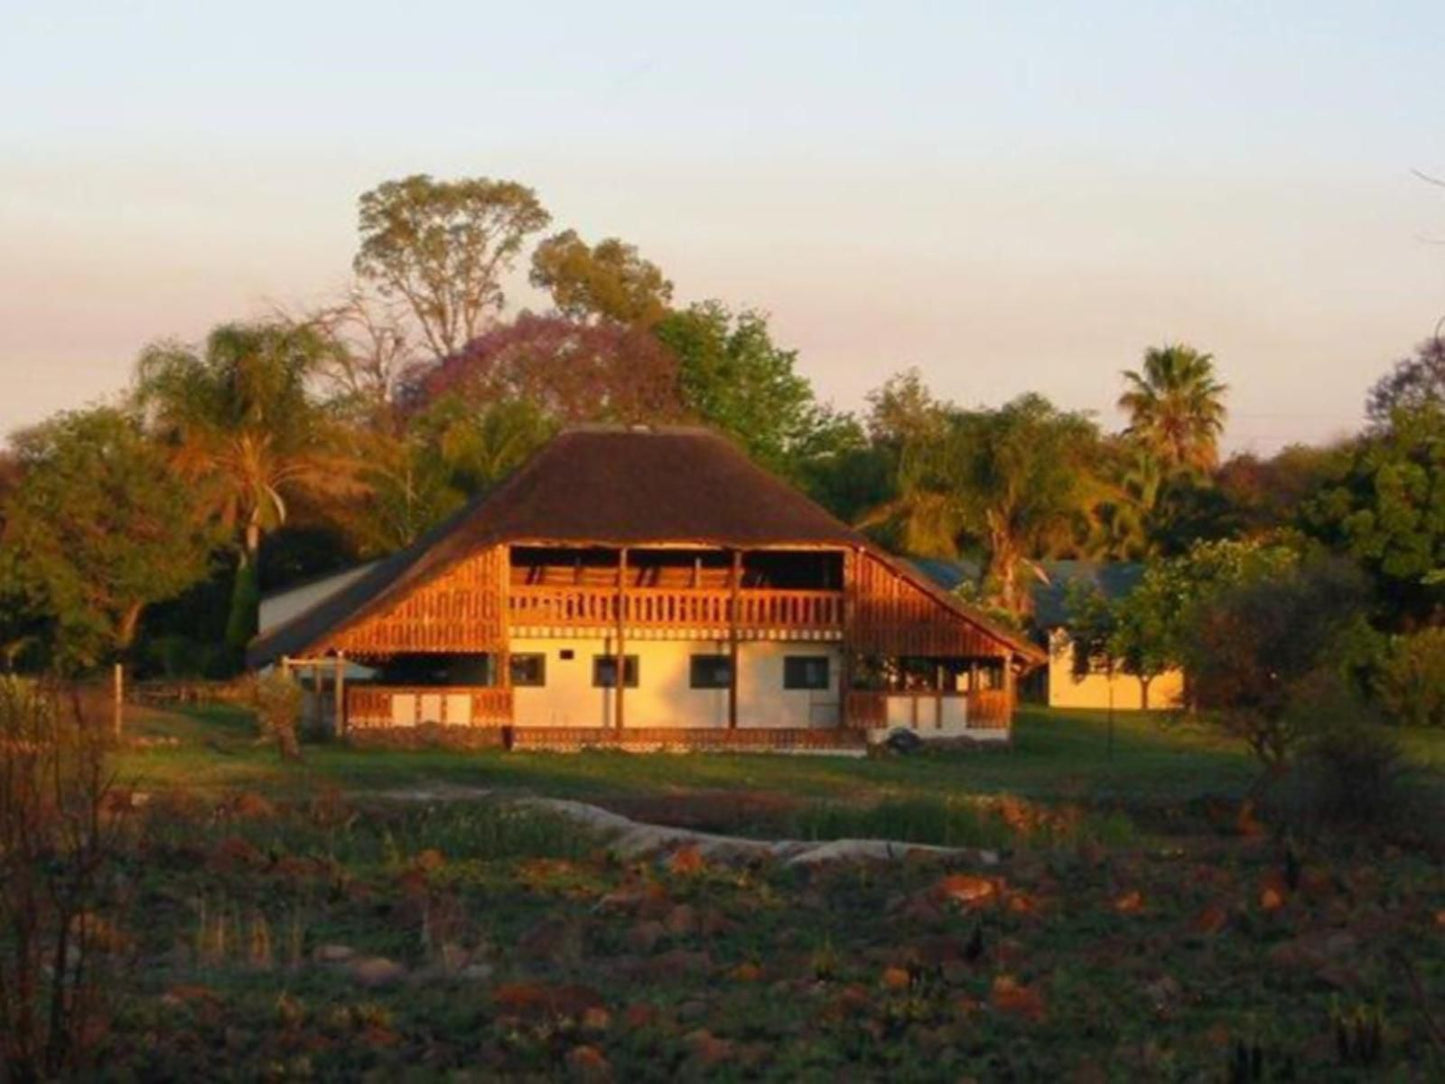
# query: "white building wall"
{"type": "Point", "coordinates": [663, 696]}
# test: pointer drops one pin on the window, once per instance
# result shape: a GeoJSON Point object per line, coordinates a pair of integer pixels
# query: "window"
{"type": "Point", "coordinates": [711, 672]}
{"type": "Point", "coordinates": [529, 669]}
{"type": "Point", "coordinates": [604, 671]}
{"type": "Point", "coordinates": [805, 672]}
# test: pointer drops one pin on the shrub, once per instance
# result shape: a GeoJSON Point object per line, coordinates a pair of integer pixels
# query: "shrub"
{"type": "Point", "coordinates": [61, 826]}
{"type": "Point", "coordinates": [1410, 681]}
{"type": "Point", "coordinates": [277, 700]}
{"type": "Point", "coordinates": [1351, 770]}
{"type": "Point", "coordinates": [1254, 650]}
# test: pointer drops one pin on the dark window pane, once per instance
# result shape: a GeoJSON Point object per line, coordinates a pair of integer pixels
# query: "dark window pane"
{"type": "Point", "coordinates": [805, 672]}
{"type": "Point", "coordinates": [604, 671]}
{"type": "Point", "coordinates": [530, 669]}
{"type": "Point", "coordinates": [711, 672]}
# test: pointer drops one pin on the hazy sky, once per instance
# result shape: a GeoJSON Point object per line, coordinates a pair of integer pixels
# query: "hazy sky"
{"type": "Point", "coordinates": [1009, 196]}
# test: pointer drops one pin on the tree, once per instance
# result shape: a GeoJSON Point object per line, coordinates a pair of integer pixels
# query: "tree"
{"type": "Point", "coordinates": [1256, 650]}
{"type": "Point", "coordinates": [1385, 507]}
{"type": "Point", "coordinates": [608, 280]}
{"type": "Point", "coordinates": [1015, 482]}
{"type": "Point", "coordinates": [239, 418]}
{"type": "Point", "coordinates": [1176, 407]}
{"type": "Point", "coordinates": [372, 347]}
{"type": "Point", "coordinates": [732, 376]}
{"type": "Point", "coordinates": [1414, 384]}
{"type": "Point", "coordinates": [571, 372]}
{"type": "Point", "coordinates": [99, 528]}
{"type": "Point", "coordinates": [442, 247]}
{"type": "Point", "coordinates": [449, 452]}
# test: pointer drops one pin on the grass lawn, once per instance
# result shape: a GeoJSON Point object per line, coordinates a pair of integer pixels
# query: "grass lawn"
{"type": "Point", "coordinates": [1055, 756]}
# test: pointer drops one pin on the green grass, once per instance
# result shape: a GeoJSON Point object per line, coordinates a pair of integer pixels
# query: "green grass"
{"type": "Point", "coordinates": [1055, 756]}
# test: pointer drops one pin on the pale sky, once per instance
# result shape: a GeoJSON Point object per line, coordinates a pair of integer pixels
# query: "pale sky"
{"type": "Point", "coordinates": [1009, 196]}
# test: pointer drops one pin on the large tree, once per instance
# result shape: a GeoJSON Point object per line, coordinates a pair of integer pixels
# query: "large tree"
{"type": "Point", "coordinates": [1176, 407]}
{"type": "Point", "coordinates": [1014, 482]}
{"type": "Point", "coordinates": [609, 280]}
{"type": "Point", "coordinates": [734, 377]}
{"type": "Point", "coordinates": [1385, 507]}
{"type": "Point", "coordinates": [240, 419]}
{"type": "Point", "coordinates": [570, 371]}
{"type": "Point", "coordinates": [99, 527]}
{"type": "Point", "coordinates": [443, 248]}
{"type": "Point", "coordinates": [1414, 383]}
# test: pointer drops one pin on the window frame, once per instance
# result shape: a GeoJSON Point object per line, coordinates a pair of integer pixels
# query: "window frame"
{"type": "Point", "coordinates": [541, 659]}
{"type": "Point", "coordinates": [631, 671]}
{"type": "Point", "coordinates": [725, 664]}
{"type": "Point", "coordinates": [792, 664]}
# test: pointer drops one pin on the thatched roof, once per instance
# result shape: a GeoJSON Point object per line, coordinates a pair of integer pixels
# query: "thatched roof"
{"type": "Point", "coordinates": [602, 486]}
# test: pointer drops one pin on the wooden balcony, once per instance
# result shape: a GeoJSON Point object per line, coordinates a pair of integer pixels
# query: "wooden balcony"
{"type": "Point", "coordinates": [816, 613]}
{"type": "Point", "coordinates": [925, 710]}
{"type": "Point", "coordinates": [404, 706]}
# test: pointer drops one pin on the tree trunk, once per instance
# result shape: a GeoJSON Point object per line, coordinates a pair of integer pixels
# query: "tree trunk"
{"type": "Point", "coordinates": [245, 596]}
{"type": "Point", "coordinates": [1144, 681]}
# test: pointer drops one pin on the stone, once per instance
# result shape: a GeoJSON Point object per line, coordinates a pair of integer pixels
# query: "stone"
{"type": "Point", "coordinates": [376, 971]}
{"type": "Point", "coordinates": [333, 954]}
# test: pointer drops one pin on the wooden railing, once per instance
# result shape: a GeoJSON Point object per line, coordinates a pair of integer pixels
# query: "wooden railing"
{"type": "Point", "coordinates": [415, 705]}
{"type": "Point", "coordinates": [654, 607]}
{"type": "Point", "coordinates": [986, 709]}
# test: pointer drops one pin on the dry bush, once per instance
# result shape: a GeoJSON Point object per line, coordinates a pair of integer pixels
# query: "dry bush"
{"type": "Point", "coordinates": [62, 825]}
{"type": "Point", "coordinates": [277, 700]}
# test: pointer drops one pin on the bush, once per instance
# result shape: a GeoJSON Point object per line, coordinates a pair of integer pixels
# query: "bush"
{"type": "Point", "coordinates": [61, 829]}
{"type": "Point", "coordinates": [1351, 769]}
{"type": "Point", "coordinates": [1410, 682]}
{"type": "Point", "coordinates": [277, 700]}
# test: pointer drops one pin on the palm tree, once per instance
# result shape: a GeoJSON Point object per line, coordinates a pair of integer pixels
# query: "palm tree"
{"type": "Point", "coordinates": [1176, 407]}
{"type": "Point", "coordinates": [240, 419]}
{"type": "Point", "coordinates": [1014, 482]}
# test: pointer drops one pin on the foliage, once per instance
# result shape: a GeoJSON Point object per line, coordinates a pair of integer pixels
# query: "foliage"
{"type": "Point", "coordinates": [449, 452]}
{"type": "Point", "coordinates": [1255, 648]}
{"type": "Point", "coordinates": [1385, 507]}
{"type": "Point", "coordinates": [99, 528]}
{"type": "Point", "coordinates": [1353, 769]}
{"type": "Point", "coordinates": [1176, 407]}
{"type": "Point", "coordinates": [608, 280]}
{"type": "Point", "coordinates": [60, 836]}
{"type": "Point", "coordinates": [1012, 481]}
{"type": "Point", "coordinates": [567, 371]}
{"type": "Point", "coordinates": [1410, 681]}
{"type": "Point", "coordinates": [242, 422]}
{"type": "Point", "coordinates": [443, 247]}
{"type": "Point", "coordinates": [277, 698]}
{"type": "Point", "coordinates": [1414, 384]}
{"type": "Point", "coordinates": [732, 376]}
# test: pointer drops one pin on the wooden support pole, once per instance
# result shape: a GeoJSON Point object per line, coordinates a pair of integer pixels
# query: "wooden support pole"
{"type": "Point", "coordinates": [319, 717]}
{"type": "Point", "coordinates": [737, 577]}
{"type": "Point", "coordinates": [620, 675]}
{"type": "Point", "coordinates": [118, 683]}
{"type": "Point", "coordinates": [340, 682]}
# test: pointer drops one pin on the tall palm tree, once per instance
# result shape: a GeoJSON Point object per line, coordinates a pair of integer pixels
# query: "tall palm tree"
{"type": "Point", "coordinates": [241, 420]}
{"type": "Point", "coordinates": [1176, 407]}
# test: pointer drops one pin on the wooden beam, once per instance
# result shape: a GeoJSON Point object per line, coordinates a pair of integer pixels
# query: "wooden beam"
{"type": "Point", "coordinates": [340, 695]}
{"type": "Point", "coordinates": [737, 577]}
{"type": "Point", "coordinates": [620, 675]}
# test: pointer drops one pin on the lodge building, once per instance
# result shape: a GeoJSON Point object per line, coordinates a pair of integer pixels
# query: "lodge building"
{"type": "Point", "coordinates": [651, 587]}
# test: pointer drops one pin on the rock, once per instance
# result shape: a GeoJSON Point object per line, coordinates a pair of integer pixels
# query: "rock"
{"type": "Point", "coordinates": [375, 971]}
{"type": "Point", "coordinates": [333, 954]}
{"type": "Point", "coordinates": [477, 972]}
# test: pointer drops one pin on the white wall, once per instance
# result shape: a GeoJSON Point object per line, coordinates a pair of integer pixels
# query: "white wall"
{"type": "Point", "coordinates": [663, 696]}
